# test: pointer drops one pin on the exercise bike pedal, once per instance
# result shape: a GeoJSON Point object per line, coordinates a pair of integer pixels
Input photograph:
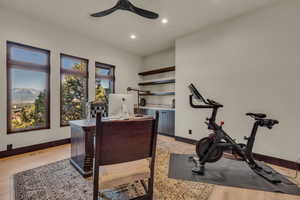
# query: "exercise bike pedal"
{"type": "Point", "coordinates": [194, 159]}
{"type": "Point", "coordinates": [199, 170]}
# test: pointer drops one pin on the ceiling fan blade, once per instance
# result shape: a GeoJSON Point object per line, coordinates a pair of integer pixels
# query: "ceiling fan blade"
{"type": "Point", "coordinates": [106, 12]}
{"type": "Point", "coordinates": [142, 12]}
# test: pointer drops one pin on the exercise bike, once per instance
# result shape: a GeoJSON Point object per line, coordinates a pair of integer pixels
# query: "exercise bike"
{"type": "Point", "coordinates": [210, 149]}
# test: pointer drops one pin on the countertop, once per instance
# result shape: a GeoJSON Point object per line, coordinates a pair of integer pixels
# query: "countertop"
{"type": "Point", "coordinates": [91, 123]}
{"type": "Point", "coordinates": [157, 108]}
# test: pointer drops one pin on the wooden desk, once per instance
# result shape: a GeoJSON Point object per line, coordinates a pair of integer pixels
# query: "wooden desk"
{"type": "Point", "coordinates": [82, 145]}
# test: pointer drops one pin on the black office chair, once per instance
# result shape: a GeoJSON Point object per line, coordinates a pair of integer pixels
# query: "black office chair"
{"type": "Point", "coordinates": [98, 108]}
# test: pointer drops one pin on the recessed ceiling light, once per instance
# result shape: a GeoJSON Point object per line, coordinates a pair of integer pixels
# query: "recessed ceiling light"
{"type": "Point", "coordinates": [164, 21]}
{"type": "Point", "coordinates": [133, 36]}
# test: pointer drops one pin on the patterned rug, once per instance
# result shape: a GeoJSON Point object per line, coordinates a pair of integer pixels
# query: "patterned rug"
{"type": "Point", "coordinates": [60, 181]}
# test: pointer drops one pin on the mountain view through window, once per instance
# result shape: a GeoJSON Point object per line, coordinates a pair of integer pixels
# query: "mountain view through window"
{"type": "Point", "coordinates": [28, 87]}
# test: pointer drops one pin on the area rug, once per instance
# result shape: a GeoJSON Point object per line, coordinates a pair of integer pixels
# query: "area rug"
{"type": "Point", "coordinates": [60, 181]}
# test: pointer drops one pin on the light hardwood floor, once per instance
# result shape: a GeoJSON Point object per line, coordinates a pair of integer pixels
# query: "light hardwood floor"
{"type": "Point", "coordinates": [14, 164]}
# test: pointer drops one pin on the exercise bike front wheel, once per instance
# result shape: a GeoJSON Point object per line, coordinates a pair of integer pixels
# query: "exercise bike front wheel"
{"type": "Point", "coordinates": [202, 148]}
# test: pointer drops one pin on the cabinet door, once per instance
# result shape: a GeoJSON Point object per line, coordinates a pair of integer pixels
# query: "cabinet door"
{"type": "Point", "coordinates": [168, 123]}
{"type": "Point", "coordinates": [164, 122]}
{"type": "Point", "coordinates": [171, 127]}
{"type": "Point", "coordinates": [160, 123]}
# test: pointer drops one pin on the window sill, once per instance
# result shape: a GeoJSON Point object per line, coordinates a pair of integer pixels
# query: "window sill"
{"type": "Point", "coordinates": [29, 130]}
{"type": "Point", "coordinates": [62, 126]}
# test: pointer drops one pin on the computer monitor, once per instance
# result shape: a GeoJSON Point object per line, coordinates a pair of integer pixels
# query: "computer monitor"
{"type": "Point", "coordinates": [115, 104]}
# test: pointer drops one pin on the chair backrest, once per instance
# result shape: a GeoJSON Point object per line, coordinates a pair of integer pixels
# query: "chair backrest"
{"type": "Point", "coordinates": [121, 141]}
{"type": "Point", "coordinates": [98, 108]}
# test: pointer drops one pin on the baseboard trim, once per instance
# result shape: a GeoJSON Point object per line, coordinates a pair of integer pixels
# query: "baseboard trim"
{"type": "Point", "coordinates": [268, 159]}
{"type": "Point", "coordinates": [164, 134]}
{"type": "Point", "coordinates": [185, 140]}
{"type": "Point", "coordinates": [32, 148]}
{"type": "Point", "coordinates": [277, 161]}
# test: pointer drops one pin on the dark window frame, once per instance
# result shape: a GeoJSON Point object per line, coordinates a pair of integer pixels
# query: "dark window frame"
{"type": "Point", "coordinates": [34, 67]}
{"type": "Point", "coordinates": [61, 73]}
{"type": "Point", "coordinates": [112, 77]}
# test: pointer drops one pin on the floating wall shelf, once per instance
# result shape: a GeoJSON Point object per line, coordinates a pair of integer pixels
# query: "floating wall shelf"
{"type": "Point", "coordinates": [159, 94]}
{"type": "Point", "coordinates": [157, 82]}
{"type": "Point", "coordinates": [158, 71]}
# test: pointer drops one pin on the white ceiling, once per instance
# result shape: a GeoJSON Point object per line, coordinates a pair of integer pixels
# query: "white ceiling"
{"type": "Point", "coordinates": [185, 16]}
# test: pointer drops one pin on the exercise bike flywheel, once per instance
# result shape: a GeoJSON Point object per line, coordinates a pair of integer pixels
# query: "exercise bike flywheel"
{"type": "Point", "coordinates": [203, 146]}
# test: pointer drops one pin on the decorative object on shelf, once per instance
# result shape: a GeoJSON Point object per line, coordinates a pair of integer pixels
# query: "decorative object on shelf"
{"type": "Point", "coordinates": [126, 5]}
{"type": "Point", "coordinates": [173, 103]}
{"type": "Point", "coordinates": [143, 102]}
{"type": "Point", "coordinates": [139, 92]}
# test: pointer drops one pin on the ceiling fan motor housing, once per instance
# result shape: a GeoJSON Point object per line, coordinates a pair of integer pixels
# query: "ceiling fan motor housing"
{"type": "Point", "coordinates": [126, 5]}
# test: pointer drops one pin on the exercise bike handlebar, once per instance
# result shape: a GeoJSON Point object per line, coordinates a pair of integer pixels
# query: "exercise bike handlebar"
{"type": "Point", "coordinates": [207, 104]}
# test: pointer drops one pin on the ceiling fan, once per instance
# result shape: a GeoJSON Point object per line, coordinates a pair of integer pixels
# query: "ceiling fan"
{"type": "Point", "coordinates": [126, 5]}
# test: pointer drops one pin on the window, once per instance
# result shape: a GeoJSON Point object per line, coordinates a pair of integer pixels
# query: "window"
{"type": "Point", "coordinates": [74, 88]}
{"type": "Point", "coordinates": [105, 81]}
{"type": "Point", "coordinates": [28, 78]}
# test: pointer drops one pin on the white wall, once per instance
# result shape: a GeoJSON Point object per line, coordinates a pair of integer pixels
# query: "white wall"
{"type": "Point", "coordinates": [160, 59]}
{"type": "Point", "coordinates": [251, 63]}
{"type": "Point", "coordinates": [18, 28]}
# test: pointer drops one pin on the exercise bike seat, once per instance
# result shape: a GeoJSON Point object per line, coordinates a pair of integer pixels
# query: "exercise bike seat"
{"type": "Point", "coordinates": [257, 115]}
